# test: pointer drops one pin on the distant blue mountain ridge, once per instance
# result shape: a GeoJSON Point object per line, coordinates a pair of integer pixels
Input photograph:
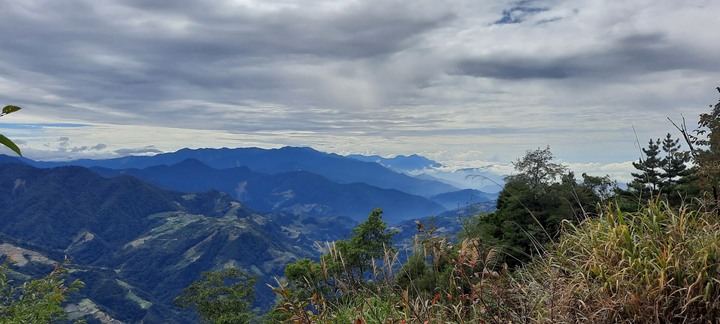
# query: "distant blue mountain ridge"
{"type": "Point", "coordinates": [300, 180]}
{"type": "Point", "coordinates": [420, 167]}
{"type": "Point", "coordinates": [299, 192]}
{"type": "Point", "coordinates": [331, 166]}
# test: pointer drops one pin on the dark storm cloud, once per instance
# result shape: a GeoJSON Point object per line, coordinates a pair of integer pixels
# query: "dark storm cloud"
{"type": "Point", "coordinates": [630, 55]}
{"type": "Point", "coordinates": [513, 69]}
{"type": "Point", "coordinates": [128, 51]}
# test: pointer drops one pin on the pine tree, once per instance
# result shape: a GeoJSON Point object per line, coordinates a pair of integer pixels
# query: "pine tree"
{"type": "Point", "coordinates": [647, 181]}
{"type": "Point", "coordinates": [674, 166]}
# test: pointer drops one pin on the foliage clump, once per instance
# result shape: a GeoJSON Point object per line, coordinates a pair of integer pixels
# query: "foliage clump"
{"type": "Point", "coordinates": [534, 202]}
{"type": "Point", "coordinates": [359, 266]}
{"type": "Point", "coordinates": [220, 296]}
{"type": "Point", "coordinates": [35, 301]}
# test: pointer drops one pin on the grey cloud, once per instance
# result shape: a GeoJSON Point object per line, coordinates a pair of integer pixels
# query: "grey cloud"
{"type": "Point", "coordinates": [629, 55]}
{"type": "Point", "coordinates": [85, 148]}
{"type": "Point", "coordinates": [364, 29]}
{"type": "Point", "coordinates": [138, 151]}
{"type": "Point", "coordinates": [357, 71]}
{"type": "Point", "coordinates": [78, 149]}
{"type": "Point", "coordinates": [209, 37]}
{"type": "Point", "coordinates": [98, 147]}
{"type": "Point", "coordinates": [63, 145]}
{"type": "Point", "coordinates": [122, 55]}
{"type": "Point", "coordinates": [513, 68]}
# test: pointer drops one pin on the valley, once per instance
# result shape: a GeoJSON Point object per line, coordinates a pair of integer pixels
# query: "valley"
{"type": "Point", "coordinates": [137, 230]}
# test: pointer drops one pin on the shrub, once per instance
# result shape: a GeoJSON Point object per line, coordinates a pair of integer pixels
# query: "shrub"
{"type": "Point", "coordinates": [35, 301]}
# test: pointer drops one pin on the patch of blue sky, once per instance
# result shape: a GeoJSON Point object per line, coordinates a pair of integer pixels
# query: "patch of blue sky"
{"type": "Point", "coordinates": [40, 125]}
{"type": "Point", "coordinates": [517, 14]}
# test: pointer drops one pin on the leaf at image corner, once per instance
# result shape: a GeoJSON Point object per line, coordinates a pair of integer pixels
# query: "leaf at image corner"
{"type": "Point", "coordinates": [7, 142]}
{"type": "Point", "coordinates": [9, 109]}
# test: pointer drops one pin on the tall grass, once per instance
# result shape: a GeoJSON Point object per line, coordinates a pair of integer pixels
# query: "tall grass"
{"type": "Point", "coordinates": [657, 265]}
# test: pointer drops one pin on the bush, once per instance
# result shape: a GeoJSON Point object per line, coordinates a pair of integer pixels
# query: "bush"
{"type": "Point", "coordinates": [35, 301]}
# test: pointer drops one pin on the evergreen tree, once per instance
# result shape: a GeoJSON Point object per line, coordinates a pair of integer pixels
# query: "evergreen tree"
{"type": "Point", "coordinates": [675, 170]}
{"type": "Point", "coordinates": [646, 183]}
{"type": "Point", "coordinates": [369, 241]}
{"type": "Point", "coordinates": [664, 172]}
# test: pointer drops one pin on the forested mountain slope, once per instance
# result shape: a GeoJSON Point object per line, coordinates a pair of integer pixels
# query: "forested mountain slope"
{"type": "Point", "coordinates": [298, 192]}
{"type": "Point", "coordinates": [137, 245]}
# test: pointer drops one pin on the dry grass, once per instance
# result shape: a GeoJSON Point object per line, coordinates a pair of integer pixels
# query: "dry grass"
{"type": "Point", "coordinates": [655, 266]}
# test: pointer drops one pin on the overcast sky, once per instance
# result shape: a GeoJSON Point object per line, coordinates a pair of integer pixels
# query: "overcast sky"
{"type": "Point", "coordinates": [465, 82]}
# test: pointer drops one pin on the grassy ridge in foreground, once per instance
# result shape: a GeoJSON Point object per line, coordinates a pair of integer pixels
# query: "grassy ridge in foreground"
{"type": "Point", "coordinates": [657, 265]}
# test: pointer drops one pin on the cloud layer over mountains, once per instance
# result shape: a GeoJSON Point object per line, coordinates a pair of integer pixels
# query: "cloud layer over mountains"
{"type": "Point", "coordinates": [442, 78]}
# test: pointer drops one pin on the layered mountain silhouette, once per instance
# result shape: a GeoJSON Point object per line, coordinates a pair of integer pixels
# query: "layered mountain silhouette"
{"type": "Point", "coordinates": [293, 179]}
{"type": "Point", "coordinates": [137, 245]}
{"type": "Point", "coordinates": [300, 192]}
{"type": "Point", "coordinates": [333, 167]}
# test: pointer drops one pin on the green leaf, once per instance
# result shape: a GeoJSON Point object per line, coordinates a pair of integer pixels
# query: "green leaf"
{"type": "Point", "coordinates": [7, 142]}
{"type": "Point", "coordinates": [9, 109]}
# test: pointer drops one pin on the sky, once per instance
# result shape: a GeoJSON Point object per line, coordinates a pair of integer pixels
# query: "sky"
{"type": "Point", "coordinates": [468, 83]}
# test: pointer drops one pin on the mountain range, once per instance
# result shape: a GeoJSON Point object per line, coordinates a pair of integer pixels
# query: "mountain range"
{"type": "Point", "coordinates": [139, 229]}
{"type": "Point", "coordinates": [137, 245]}
{"type": "Point", "coordinates": [293, 179]}
{"type": "Point", "coordinates": [334, 167]}
{"type": "Point", "coordinates": [299, 192]}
